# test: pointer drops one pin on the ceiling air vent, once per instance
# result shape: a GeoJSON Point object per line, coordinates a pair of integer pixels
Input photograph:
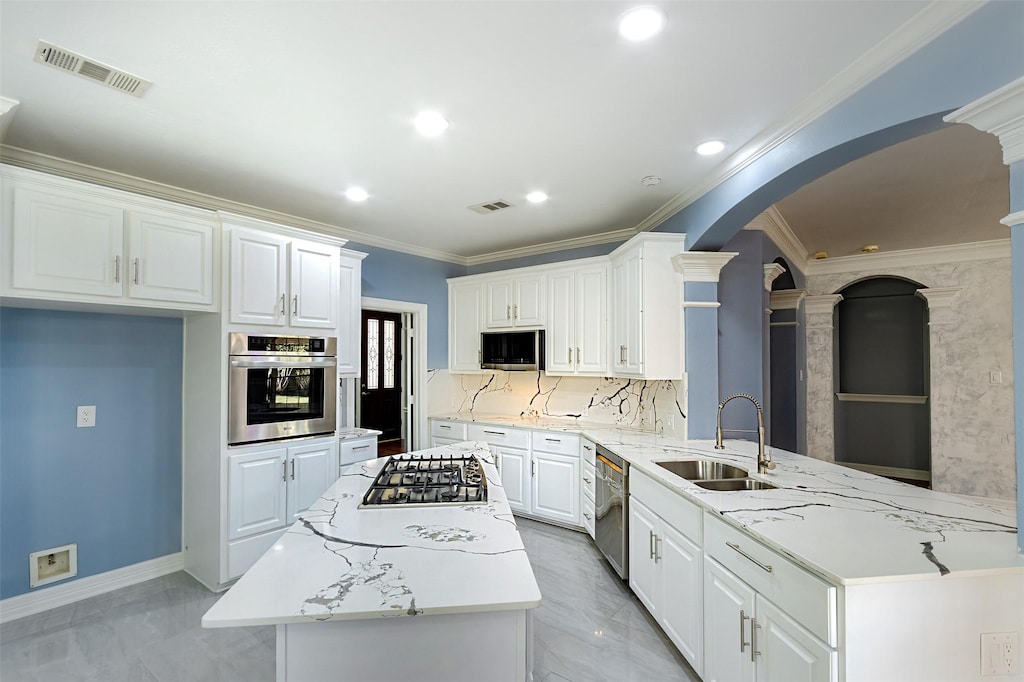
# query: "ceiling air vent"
{"type": "Point", "coordinates": [490, 206]}
{"type": "Point", "coordinates": [66, 60]}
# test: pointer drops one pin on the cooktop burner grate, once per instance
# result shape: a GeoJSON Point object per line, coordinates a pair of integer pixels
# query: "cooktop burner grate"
{"type": "Point", "coordinates": [435, 480]}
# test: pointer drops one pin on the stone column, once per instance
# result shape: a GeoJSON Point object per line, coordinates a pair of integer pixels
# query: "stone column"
{"type": "Point", "coordinates": [819, 312]}
{"type": "Point", "coordinates": [943, 407]}
{"type": "Point", "coordinates": [1002, 114]}
{"type": "Point", "coordinates": [700, 271]}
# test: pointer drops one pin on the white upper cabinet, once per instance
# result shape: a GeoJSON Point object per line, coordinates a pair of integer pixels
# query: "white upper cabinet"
{"type": "Point", "coordinates": [576, 338]}
{"type": "Point", "coordinates": [70, 241]}
{"type": "Point", "coordinates": [516, 301]}
{"type": "Point", "coordinates": [277, 281]}
{"type": "Point", "coordinates": [350, 312]}
{"type": "Point", "coordinates": [465, 317]}
{"type": "Point", "coordinates": [647, 308]}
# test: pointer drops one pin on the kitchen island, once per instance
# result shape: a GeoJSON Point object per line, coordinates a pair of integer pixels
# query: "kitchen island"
{"type": "Point", "coordinates": [394, 593]}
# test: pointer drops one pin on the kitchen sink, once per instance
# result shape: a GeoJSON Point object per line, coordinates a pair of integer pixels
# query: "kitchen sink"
{"type": "Point", "coordinates": [702, 469]}
{"type": "Point", "coordinates": [734, 484]}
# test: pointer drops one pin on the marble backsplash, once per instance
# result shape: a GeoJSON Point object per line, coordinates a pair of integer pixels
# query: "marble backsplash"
{"type": "Point", "coordinates": [656, 406]}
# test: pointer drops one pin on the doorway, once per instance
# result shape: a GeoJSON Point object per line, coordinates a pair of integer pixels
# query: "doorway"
{"type": "Point", "coordinates": [783, 385]}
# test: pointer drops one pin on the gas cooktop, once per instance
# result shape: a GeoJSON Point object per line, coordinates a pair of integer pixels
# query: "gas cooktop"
{"type": "Point", "coordinates": [428, 481]}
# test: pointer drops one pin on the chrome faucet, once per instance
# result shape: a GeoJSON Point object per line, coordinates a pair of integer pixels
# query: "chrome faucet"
{"type": "Point", "coordinates": [764, 461]}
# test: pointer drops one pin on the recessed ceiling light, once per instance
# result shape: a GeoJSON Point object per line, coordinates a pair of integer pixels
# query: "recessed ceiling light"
{"type": "Point", "coordinates": [536, 197]}
{"type": "Point", "coordinates": [356, 194]}
{"type": "Point", "coordinates": [641, 23]}
{"type": "Point", "coordinates": [710, 147]}
{"type": "Point", "coordinates": [430, 123]}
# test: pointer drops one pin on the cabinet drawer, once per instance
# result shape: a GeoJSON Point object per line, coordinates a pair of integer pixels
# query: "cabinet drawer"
{"type": "Point", "coordinates": [588, 451]}
{"type": "Point", "coordinates": [805, 597]}
{"type": "Point", "coordinates": [588, 515]}
{"type": "Point", "coordinates": [558, 443]}
{"type": "Point", "coordinates": [499, 435]}
{"type": "Point", "coordinates": [675, 509]}
{"type": "Point", "coordinates": [448, 429]}
{"type": "Point", "coordinates": [352, 451]}
{"type": "Point", "coordinates": [588, 480]}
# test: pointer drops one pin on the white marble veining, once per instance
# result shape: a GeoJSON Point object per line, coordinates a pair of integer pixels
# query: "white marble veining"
{"type": "Point", "coordinates": [340, 562]}
{"type": "Point", "coordinates": [352, 433]}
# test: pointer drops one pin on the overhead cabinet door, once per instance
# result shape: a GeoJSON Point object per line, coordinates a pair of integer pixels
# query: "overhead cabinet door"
{"type": "Point", "coordinates": [259, 267]}
{"type": "Point", "coordinates": [314, 277]}
{"type": "Point", "coordinates": [169, 258]}
{"type": "Point", "coordinates": [67, 244]}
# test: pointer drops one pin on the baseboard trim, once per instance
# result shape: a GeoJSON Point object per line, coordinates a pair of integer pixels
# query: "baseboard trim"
{"type": "Point", "coordinates": [51, 597]}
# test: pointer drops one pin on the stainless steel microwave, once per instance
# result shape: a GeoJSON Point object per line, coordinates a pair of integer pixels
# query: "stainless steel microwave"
{"type": "Point", "coordinates": [512, 351]}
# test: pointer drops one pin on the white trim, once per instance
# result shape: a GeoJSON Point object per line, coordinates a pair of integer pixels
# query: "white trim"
{"type": "Point", "coordinates": [787, 299]}
{"type": "Point", "coordinates": [772, 271]}
{"type": "Point", "coordinates": [701, 266]}
{"type": "Point", "coordinates": [38, 601]}
{"type": "Point", "coordinates": [931, 22]}
{"type": "Point", "coordinates": [1000, 113]}
{"type": "Point", "coordinates": [614, 236]}
{"type": "Point", "coordinates": [825, 303]}
{"type": "Point", "coordinates": [701, 304]}
{"type": "Point", "coordinates": [1013, 219]}
{"type": "Point", "coordinates": [778, 230]}
{"type": "Point", "coordinates": [939, 297]}
{"type": "Point", "coordinates": [891, 261]}
{"type": "Point", "coordinates": [783, 324]}
{"type": "Point", "coordinates": [419, 380]}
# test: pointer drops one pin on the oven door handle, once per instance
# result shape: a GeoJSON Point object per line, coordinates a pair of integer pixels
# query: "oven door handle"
{"type": "Point", "coordinates": [312, 363]}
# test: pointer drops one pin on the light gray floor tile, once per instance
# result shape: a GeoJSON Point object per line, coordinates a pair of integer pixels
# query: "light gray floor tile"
{"type": "Point", "coordinates": [589, 628]}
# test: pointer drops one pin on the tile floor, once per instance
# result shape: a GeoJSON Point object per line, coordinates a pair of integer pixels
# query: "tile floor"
{"type": "Point", "coordinates": [589, 628]}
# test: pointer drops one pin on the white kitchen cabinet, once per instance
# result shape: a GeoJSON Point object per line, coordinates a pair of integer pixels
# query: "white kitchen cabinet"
{"type": "Point", "coordinates": [728, 612]}
{"type": "Point", "coordinates": [277, 281]}
{"type": "Point", "coordinates": [311, 470]}
{"type": "Point", "coordinates": [576, 335]}
{"type": "Point", "coordinates": [514, 464]}
{"type": "Point", "coordinates": [77, 242]}
{"type": "Point", "coordinates": [588, 478]}
{"type": "Point", "coordinates": [555, 489]}
{"type": "Point", "coordinates": [465, 322]}
{"type": "Point", "coordinates": [643, 569]}
{"type": "Point", "coordinates": [516, 301]}
{"type": "Point", "coordinates": [647, 308]}
{"type": "Point", "coordinates": [350, 311]}
{"type": "Point", "coordinates": [354, 450]}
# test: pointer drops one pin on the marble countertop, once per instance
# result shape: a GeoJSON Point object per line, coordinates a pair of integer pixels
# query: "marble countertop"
{"type": "Point", "coordinates": [351, 433]}
{"type": "Point", "coordinates": [847, 526]}
{"type": "Point", "coordinates": [340, 562]}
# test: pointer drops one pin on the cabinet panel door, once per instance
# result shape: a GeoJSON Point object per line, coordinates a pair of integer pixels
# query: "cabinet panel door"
{"type": "Point", "coordinates": [681, 598]}
{"type": "Point", "coordinates": [169, 258]}
{"type": "Point", "coordinates": [515, 476]}
{"type": "Point", "coordinates": [728, 612]}
{"type": "Point", "coordinates": [66, 244]}
{"type": "Point", "coordinates": [556, 486]}
{"type": "Point", "coordinates": [259, 266]}
{"type": "Point", "coordinates": [312, 469]}
{"type": "Point", "coordinates": [788, 652]}
{"type": "Point", "coordinates": [256, 492]}
{"type": "Point", "coordinates": [360, 450]}
{"type": "Point", "coordinates": [560, 336]}
{"type": "Point", "coordinates": [349, 316]}
{"type": "Point", "coordinates": [499, 304]}
{"type": "Point", "coordinates": [643, 525]}
{"type": "Point", "coordinates": [530, 301]}
{"type": "Point", "coordinates": [313, 285]}
{"type": "Point", "coordinates": [592, 321]}
{"type": "Point", "coordinates": [465, 310]}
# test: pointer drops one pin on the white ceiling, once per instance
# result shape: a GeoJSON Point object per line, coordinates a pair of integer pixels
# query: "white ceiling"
{"type": "Point", "coordinates": [282, 105]}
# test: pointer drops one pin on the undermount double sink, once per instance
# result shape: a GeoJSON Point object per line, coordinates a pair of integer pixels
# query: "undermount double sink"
{"type": "Point", "coordinates": [713, 475]}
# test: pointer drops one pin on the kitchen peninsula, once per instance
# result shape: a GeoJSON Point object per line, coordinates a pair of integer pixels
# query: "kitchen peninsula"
{"type": "Point", "coordinates": [450, 585]}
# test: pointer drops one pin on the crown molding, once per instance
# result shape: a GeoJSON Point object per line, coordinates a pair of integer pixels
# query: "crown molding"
{"type": "Point", "coordinates": [772, 271]}
{"type": "Point", "coordinates": [550, 247]}
{"type": "Point", "coordinates": [1001, 113]}
{"type": "Point", "coordinates": [825, 303]}
{"type": "Point", "coordinates": [1013, 219]}
{"type": "Point", "coordinates": [939, 297]}
{"type": "Point", "coordinates": [935, 19]}
{"type": "Point", "coordinates": [774, 225]}
{"type": "Point", "coordinates": [787, 299]}
{"type": "Point", "coordinates": [894, 260]}
{"type": "Point", "coordinates": [24, 158]}
{"type": "Point", "coordinates": [701, 266]}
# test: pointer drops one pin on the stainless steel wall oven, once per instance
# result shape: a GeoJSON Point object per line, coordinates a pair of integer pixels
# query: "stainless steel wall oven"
{"type": "Point", "coordinates": [281, 387]}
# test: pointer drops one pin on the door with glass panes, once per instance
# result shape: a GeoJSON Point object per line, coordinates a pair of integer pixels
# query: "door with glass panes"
{"type": "Point", "coordinates": [380, 402]}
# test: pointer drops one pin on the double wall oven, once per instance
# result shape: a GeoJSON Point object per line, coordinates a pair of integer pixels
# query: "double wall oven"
{"type": "Point", "coordinates": [281, 387]}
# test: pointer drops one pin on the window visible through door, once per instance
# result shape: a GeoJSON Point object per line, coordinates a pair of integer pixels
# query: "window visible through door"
{"type": "Point", "coordinates": [380, 401]}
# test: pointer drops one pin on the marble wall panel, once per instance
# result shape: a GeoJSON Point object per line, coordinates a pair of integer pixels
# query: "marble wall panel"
{"type": "Point", "coordinates": [971, 415]}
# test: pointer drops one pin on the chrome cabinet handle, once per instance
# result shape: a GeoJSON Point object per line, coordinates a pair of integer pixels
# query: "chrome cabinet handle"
{"type": "Point", "coordinates": [282, 305]}
{"type": "Point", "coordinates": [754, 627]}
{"type": "Point", "coordinates": [553, 440]}
{"type": "Point", "coordinates": [293, 469]}
{"type": "Point", "coordinates": [622, 354]}
{"type": "Point", "coordinates": [736, 548]}
{"type": "Point", "coordinates": [295, 304]}
{"type": "Point", "coordinates": [117, 269]}
{"type": "Point", "coordinates": [496, 433]}
{"type": "Point", "coordinates": [586, 480]}
{"type": "Point", "coordinates": [508, 312]}
{"type": "Point", "coordinates": [570, 356]}
{"type": "Point", "coordinates": [284, 474]}
{"type": "Point", "coordinates": [533, 468]}
{"type": "Point", "coordinates": [587, 516]}
{"type": "Point", "coordinates": [650, 543]}
{"type": "Point", "coordinates": [360, 447]}
{"type": "Point", "coordinates": [444, 426]}
{"type": "Point", "coordinates": [515, 312]}
{"type": "Point", "coordinates": [587, 447]}
{"type": "Point", "coordinates": [578, 356]}
{"type": "Point", "coordinates": [657, 554]}
{"type": "Point", "coordinates": [136, 272]}
{"type": "Point", "coordinates": [743, 642]}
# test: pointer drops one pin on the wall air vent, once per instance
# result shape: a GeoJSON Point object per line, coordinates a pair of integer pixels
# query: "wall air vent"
{"type": "Point", "coordinates": [66, 60]}
{"type": "Point", "coordinates": [490, 206]}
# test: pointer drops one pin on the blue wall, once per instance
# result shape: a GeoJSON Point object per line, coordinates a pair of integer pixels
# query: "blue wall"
{"type": "Point", "coordinates": [401, 276]}
{"type": "Point", "coordinates": [115, 489]}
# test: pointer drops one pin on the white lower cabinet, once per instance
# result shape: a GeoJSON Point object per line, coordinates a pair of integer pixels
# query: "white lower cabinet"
{"type": "Point", "coordinates": [446, 432]}
{"type": "Point", "coordinates": [268, 488]}
{"type": "Point", "coordinates": [514, 464]}
{"type": "Point", "coordinates": [556, 482]}
{"type": "Point", "coordinates": [588, 479]}
{"type": "Point", "coordinates": [665, 574]}
{"type": "Point", "coordinates": [356, 450]}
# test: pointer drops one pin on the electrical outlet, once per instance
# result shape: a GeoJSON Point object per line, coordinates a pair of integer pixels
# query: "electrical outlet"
{"type": "Point", "coordinates": [86, 416]}
{"type": "Point", "coordinates": [995, 377]}
{"type": "Point", "coordinates": [1000, 653]}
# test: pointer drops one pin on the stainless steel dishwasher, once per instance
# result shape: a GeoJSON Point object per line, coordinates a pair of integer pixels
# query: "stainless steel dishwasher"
{"type": "Point", "coordinates": [611, 507]}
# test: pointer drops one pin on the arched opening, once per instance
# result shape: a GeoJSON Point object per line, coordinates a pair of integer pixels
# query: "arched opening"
{"type": "Point", "coordinates": [882, 420]}
{"type": "Point", "coordinates": [782, 340]}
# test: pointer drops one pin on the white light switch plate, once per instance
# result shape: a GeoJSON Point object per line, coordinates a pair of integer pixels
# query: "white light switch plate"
{"type": "Point", "coordinates": [86, 416]}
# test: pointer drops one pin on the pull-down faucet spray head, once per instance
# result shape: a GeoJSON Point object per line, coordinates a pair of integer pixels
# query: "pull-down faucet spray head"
{"type": "Point", "coordinates": [764, 462]}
